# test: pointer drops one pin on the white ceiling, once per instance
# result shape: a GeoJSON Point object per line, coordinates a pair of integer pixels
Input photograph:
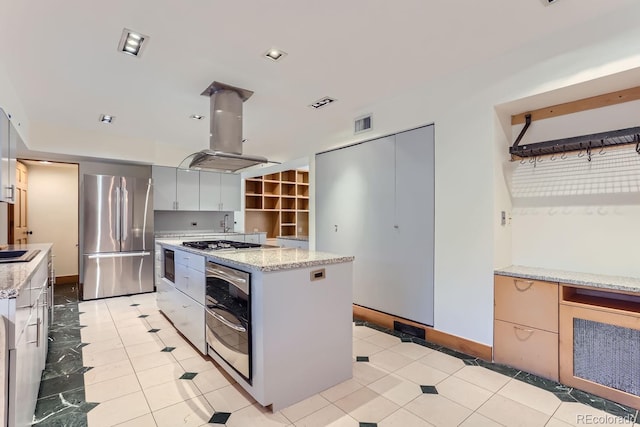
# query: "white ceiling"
{"type": "Point", "coordinates": [62, 61]}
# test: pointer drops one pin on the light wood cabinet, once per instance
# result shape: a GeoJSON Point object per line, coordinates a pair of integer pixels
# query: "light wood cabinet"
{"type": "Point", "coordinates": [526, 325]}
{"type": "Point", "coordinates": [278, 203]}
{"type": "Point", "coordinates": [599, 342]}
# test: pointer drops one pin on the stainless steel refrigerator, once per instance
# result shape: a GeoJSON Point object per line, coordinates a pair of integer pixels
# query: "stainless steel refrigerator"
{"type": "Point", "coordinates": [117, 236]}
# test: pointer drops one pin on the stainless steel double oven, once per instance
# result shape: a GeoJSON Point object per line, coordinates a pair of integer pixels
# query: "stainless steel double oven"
{"type": "Point", "coordinates": [228, 316]}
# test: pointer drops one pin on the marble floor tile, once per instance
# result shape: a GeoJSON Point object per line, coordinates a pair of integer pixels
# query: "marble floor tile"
{"type": "Point", "coordinates": [229, 398]}
{"type": "Point", "coordinates": [152, 360]}
{"type": "Point", "coordinates": [257, 416]}
{"type": "Point", "coordinates": [170, 393]}
{"type": "Point", "coordinates": [389, 361]}
{"type": "Point", "coordinates": [106, 357]}
{"type": "Point", "coordinates": [107, 372]}
{"type": "Point", "coordinates": [477, 420]}
{"type": "Point", "coordinates": [143, 421]}
{"type": "Point", "coordinates": [554, 422]}
{"type": "Point", "coordinates": [211, 379]}
{"type": "Point", "coordinates": [466, 394]}
{"type": "Point", "coordinates": [438, 410]}
{"type": "Point", "coordinates": [421, 374]}
{"type": "Point", "coordinates": [382, 340]}
{"type": "Point", "coordinates": [63, 383]}
{"type": "Point", "coordinates": [403, 418]}
{"type": "Point", "coordinates": [119, 410]}
{"type": "Point", "coordinates": [365, 348]}
{"type": "Point", "coordinates": [482, 377]}
{"type": "Point", "coordinates": [534, 397]}
{"type": "Point", "coordinates": [411, 350]}
{"type": "Point", "coordinates": [111, 389]}
{"type": "Point", "coordinates": [365, 405]}
{"type": "Point", "coordinates": [160, 374]}
{"type": "Point", "coordinates": [363, 331]}
{"type": "Point", "coordinates": [330, 415]}
{"type": "Point", "coordinates": [197, 364]}
{"type": "Point", "coordinates": [366, 373]}
{"type": "Point", "coordinates": [576, 414]}
{"type": "Point", "coordinates": [302, 409]}
{"type": "Point", "coordinates": [396, 389]}
{"type": "Point", "coordinates": [341, 390]}
{"type": "Point", "coordinates": [511, 413]}
{"type": "Point", "coordinates": [143, 349]}
{"type": "Point", "coordinates": [101, 346]}
{"type": "Point", "coordinates": [442, 362]}
{"type": "Point", "coordinates": [188, 413]}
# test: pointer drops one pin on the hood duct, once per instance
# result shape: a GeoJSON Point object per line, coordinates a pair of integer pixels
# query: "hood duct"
{"type": "Point", "coordinates": [225, 153]}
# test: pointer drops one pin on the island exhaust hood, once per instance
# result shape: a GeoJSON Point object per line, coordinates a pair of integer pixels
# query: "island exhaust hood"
{"type": "Point", "coordinates": [225, 141]}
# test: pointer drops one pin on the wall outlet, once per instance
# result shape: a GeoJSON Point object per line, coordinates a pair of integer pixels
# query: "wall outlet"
{"type": "Point", "coordinates": [194, 224]}
{"type": "Point", "coordinates": [503, 218]}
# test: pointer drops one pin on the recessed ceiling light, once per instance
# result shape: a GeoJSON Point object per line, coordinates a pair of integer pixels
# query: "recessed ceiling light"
{"type": "Point", "coordinates": [275, 54]}
{"type": "Point", "coordinates": [45, 162]}
{"type": "Point", "coordinates": [106, 118]}
{"type": "Point", "coordinates": [322, 102]}
{"type": "Point", "coordinates": [132, 43]}
{"type": "Point", "coordinates": [196, 117]}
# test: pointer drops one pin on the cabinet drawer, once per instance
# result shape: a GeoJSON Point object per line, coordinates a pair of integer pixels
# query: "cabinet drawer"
{"type": "Point", "coordinates": [191, 282]}
{"type": "Point", "coordinates": [190, 320]}
{"type": "Point", "coordinates": [190, 260]}
{"type": "Point", "coordinates": [527, 302]}
{"type": "Point", "coordinates": [532, 350]}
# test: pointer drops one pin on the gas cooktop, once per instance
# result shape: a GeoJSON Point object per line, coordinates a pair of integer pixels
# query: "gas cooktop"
{"type": "Point", "coordinates": [215, 245]}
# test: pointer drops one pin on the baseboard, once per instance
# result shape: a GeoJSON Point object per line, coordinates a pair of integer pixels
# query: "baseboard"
{"type": "Point", "coordinates": [61, 280]}
{"type": "Point", "coordinates": [435, 336]}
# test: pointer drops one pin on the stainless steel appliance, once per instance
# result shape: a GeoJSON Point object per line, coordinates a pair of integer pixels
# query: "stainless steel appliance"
{"type": "Point", "coordinates": [117, 236]}
{"type": "Point", "coordinates": [228, 316]}
{"type": "Point", "coordinates": [216, 245]}
{"type": "Point", "coordinates": [170, 265]}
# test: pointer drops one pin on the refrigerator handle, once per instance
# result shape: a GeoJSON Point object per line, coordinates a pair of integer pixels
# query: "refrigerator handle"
{"type": "Point", "coordinates": [124, 213]}
{"type": "Point", "coordinates": [118, 214]}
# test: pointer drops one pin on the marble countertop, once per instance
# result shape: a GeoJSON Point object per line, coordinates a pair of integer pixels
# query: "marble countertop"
{"type": "Point", "coordinates": [618, 283]}
{"type": "Point", "coordinates": [301, 238]}
{"type": "Point", "coordinates": [266, 259]}
{"type": "Point", "coordinates": [198, 234]}
{"type": "Point", "coordinates": [14, 275]}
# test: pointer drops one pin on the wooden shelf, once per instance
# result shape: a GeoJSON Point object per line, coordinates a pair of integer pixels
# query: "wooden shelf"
{"type": "Point", "coordinates": [278, 203]}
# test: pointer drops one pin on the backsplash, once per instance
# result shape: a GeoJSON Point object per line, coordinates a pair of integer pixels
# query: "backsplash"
{"type": "Point", "coordinates": [185, 220]}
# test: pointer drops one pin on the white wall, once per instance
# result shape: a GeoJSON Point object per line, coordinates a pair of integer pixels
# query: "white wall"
{"type": "Point", "coordinates": [52, 212]}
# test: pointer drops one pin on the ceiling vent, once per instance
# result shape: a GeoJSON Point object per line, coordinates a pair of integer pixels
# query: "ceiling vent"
{"type": "Point", "coordinates": [322, 102]}
{"type": "Point", "coordinates": [362, 124]}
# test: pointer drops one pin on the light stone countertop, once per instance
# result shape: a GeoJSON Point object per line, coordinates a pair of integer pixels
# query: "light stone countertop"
{"type": "Point", "coordinates": [199, 234]}
{"type": "Point", "coordinates": [265, 259]}
{"type": "Point", "coordinates": [618, 283]}
{"type": "Point", "coordinates": [301, 238]}
{"type": "Point", "coordinates": [14, 275]}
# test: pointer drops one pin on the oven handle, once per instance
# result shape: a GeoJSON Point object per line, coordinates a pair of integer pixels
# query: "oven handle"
{"type": "Point", "coordinates": [238, 282]}
{"type": "Point", "coordinates": [221, 319]}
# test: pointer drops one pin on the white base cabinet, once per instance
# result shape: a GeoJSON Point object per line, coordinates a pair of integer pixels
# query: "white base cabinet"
{"type": "Point", "coordinates": [26, 329]}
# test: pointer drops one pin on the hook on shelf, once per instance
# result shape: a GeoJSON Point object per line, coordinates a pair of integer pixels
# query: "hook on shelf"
{"type": "Point", "coordinates": [602, 152]}
{"type": "Point", "coordinates": [589, 153]}
{"type": "Point", "coordinates": [580, 154]}
{"type": "Point", "coordinates": [564, 153]}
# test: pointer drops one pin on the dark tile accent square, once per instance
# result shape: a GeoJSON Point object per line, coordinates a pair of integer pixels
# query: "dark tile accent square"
{"type": "Point", "coordinates": [154, 330]}
{"type": "Point", "coordinates": [360, 323]}
{"type": "Point", "coordinates": [142, 316]}
{"type": "Point", "coordinates": [134, 305]}
{"type": "Point", "coordinates": [368, 424]}
{"type": "Point", "coordinates": [168, 349]}
{"type": "Point", "coordinates": [220, 417]}
{"type": "Point", "coordinates": [405, 339]}
{"type": "Point", "coordinates": [188, 375]}
{"type": "Point", "coordinates": [362, 358]}
{"type": "Point", "coordinates": [428, 389]}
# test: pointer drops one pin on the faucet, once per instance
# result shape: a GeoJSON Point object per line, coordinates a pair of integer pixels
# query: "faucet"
{"type": "Point", "coordinates": [225, 226]}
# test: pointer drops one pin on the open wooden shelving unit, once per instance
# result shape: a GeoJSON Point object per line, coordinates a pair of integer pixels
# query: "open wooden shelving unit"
{"type": "Point", "coordinates": [278, 203]}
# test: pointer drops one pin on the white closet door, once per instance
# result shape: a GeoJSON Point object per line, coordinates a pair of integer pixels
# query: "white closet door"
{"type": "Point", "coordinates": [355, 192]}
{"type": "Point", "coordinates": [414, 235]}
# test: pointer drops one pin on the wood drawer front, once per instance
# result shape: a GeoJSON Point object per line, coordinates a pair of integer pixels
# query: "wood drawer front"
{"type": "Point", "coordinates": [532, 350]}
{"type": "Point", "coordinates": [527, 302]}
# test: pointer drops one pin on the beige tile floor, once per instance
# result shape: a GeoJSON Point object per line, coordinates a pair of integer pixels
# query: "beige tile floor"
{"type": "Point", "coordinates": [138, 385]}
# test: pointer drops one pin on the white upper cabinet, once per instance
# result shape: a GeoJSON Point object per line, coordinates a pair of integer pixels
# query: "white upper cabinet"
{"type": "Point", "coordinates": [219, 191]}
{"type": "Point", "coordinates": [8, 142]}
{"type": "Point", "coordinates": [187, 190]}
{"type": "Point", "coordinates": [191, 190]}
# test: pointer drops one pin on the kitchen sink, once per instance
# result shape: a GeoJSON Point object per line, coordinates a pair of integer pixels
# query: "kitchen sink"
{"type": "Point", "coordinates": [18, 256]}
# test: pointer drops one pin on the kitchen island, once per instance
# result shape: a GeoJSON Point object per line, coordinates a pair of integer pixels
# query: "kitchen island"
{"type": "Point", "coordinates": [298, 323]}
{"type": "Point", "coordinates": [25, 299]}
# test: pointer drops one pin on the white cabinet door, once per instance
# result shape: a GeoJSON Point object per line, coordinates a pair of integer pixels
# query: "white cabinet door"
{"type": "Point", "coordinates": [188, 190]}
{"type": "Point", "coordinates": [355, 214]}
{"type": "Point", "coordinates": [164, 188]}
{"type": "Point", "coordinates": [230, 192]}
{"type": "Point", "coordinates": [415, 182]}
{"type": "Point", "coordinates": [190, 320]}
{"type": "Point", "coordinates": [210, 191]}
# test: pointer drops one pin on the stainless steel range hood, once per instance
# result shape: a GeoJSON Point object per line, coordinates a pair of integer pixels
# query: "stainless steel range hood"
{"type": "Point", "coordinates": [225, 153]}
